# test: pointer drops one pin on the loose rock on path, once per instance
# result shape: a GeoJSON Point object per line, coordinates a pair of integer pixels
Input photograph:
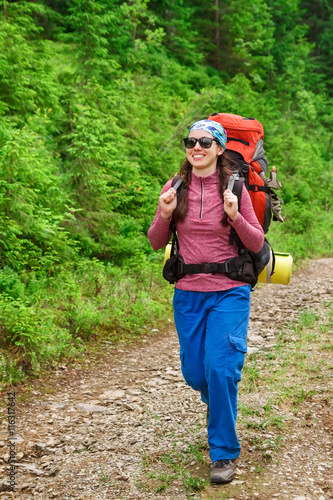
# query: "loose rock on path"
{"type": "Point", "coordinates": [100, 433]}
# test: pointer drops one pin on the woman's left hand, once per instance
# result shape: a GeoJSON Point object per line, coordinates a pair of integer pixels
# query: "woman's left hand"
{"type": "Point", "coordinates": [230, 204]}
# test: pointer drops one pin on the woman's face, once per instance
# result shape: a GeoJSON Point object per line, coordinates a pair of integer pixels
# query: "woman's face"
{"type": "Point", "coordinates": [203, 160]}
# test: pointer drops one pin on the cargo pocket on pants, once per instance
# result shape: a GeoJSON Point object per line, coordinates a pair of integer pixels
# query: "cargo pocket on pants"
{"type": "Point", "coordinates": [239, 342]}
{"type": "Point", "coordinates": [237, 359]}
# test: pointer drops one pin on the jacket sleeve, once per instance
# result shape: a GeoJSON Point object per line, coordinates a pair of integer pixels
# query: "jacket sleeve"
{"type": "Point", "coordinates": [159, 233]}
{"type": "Point", "coordinates": [247, 226]}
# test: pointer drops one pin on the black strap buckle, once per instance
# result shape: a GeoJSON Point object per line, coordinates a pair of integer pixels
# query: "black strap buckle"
{"type": "Point", "coordinates": [209, 268]}
{"type": "Point", "coordinates": [227, 266]}
{"type": "Point", "coordinates": [180, 268]}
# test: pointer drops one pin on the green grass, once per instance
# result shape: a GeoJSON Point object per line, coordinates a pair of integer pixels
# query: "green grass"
{"type": "Point", "coordinates": [193, 483]}
{"type": "Point", "coordinates": [176, 466]}
{"type": "Point", "coordinates": [104, 477]}
{"type": "Point", "coordinates": [251, 376]}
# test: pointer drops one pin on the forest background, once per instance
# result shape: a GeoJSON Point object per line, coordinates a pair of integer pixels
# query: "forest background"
{"type": "Point", "coordinates": [95, 98]}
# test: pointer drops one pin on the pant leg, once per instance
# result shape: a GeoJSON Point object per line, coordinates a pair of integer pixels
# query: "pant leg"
{"type": "Point", "coordinates": [190, 313]}
{"type": "Point", "coordinates": [212, 331]}
{"type": "Point", "coordinates": [225, 347]}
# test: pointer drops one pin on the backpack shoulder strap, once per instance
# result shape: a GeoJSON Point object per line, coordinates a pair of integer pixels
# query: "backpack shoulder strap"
{"type": "Point", "coordinates": [235, 185]}
{"type": "Point", "coordinates": [177, 184]}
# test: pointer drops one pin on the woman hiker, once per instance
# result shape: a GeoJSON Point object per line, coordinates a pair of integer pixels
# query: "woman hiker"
{"type": "Point", "coordinates": [211, 311]}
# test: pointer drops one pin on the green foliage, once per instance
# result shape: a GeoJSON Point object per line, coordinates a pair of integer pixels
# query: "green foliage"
{"type": "Point", "coordinates": [32, 202]}
{"type": "Point", "coordinates": [95, 97]}
{"type": "Point", "coordinates": [24, 62]}
{"type": "Point", "coordinates": [29, 332]}
{"type": "Point", "coordinates": [90, 24]}
{"type": "Point", "coordinates": [249, 40]}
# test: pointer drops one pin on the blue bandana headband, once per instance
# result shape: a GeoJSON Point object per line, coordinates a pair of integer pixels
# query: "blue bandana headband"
{"type": "Point", "coordinates": [214, 128]}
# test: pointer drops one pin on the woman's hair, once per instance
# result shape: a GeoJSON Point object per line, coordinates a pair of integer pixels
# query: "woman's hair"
{"type": "Point", "coordinates": [225, 169]}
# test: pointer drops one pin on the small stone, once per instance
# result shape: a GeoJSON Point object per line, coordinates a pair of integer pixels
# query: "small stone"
{"type": "Point", "coordinates": [51, 442]}
{"type": "Point", "coordinates": [53, 471]}
{"type": "Point", "coordinates": [40, 446]}
{"type": "Point", "coordinates": [32, 468]}
{"type": "Point", "coordinates": [128, 407]}
{"type": "Point", "coordinates": [268, 347]}
{"type": "Point", "coordinates": [157, 381]}
{"type": "Point", "coordinates": [95, 402]}
{"type": "Point", "coordinates": [112, 395]}
{"type": "Point", "coordinates": [57, 406]}
{"type": "Point", "coordinates": [252, 350]}
{"type": "Point", "coordinates": [41, 449]}
{"type": "Point", "coordinates": [25, 486]}
{"type": "Point", "coordinates": [255, 339]}
{"type": "Point", "coordinates": [90, 408]}
{"type": "Point", "coordinates": [134, 392]}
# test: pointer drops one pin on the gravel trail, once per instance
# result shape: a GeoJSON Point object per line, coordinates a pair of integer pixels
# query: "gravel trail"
{"type": "Point", "coordinates": [121, 427]}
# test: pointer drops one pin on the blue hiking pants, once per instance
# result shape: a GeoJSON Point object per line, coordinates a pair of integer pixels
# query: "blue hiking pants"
{"type": "Point", "coordinates": [212, 330]}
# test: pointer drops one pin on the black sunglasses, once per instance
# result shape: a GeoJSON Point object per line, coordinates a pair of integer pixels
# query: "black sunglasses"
{"type": "Point", "coordinates": [205, 142]}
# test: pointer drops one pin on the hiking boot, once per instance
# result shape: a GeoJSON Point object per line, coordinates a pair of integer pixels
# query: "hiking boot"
{"type": "Point", "coordinates": [222, 471]}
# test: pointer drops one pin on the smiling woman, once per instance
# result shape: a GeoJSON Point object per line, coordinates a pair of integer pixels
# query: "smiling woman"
{"type": "Point", "coordinates": [203, 154]}
{"type": "Point", "coordinates": [205, 142]}
{"type": "Point", "coordinates": [211, 310]}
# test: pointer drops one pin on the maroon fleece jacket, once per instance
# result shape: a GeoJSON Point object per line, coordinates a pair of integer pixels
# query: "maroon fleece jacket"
{"type": "Point", "coordinates": [201, 236]}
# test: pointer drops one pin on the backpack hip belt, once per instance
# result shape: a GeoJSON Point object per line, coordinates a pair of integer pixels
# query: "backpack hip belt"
{"type": "Point", "coordinates": [245, 267]}
{"type": "Point", "coordinates": [208, 267]}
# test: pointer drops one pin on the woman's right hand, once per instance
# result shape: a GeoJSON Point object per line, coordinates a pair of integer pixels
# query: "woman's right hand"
{"type": "Point", "coordinates": [168, 203]}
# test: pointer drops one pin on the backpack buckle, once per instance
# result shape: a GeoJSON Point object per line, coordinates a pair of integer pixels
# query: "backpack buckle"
{"type": "Point", "coordinates": [180, 268]}
{"type": "Point", "coordinates": [227, 266]}
{"type": "Point", "coordinates": [209, 268]}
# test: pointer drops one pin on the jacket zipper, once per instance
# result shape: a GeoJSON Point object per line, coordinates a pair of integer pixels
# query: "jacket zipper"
{"type": "Point", "coordinates": [202, 198]}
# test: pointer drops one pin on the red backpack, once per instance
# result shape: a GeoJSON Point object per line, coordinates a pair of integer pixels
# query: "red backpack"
{"type": "Point", "coordinates": [245, 145]}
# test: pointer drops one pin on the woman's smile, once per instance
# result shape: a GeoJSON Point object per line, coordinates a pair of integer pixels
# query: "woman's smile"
{"type": "Point", "coordinates": [203, 160]}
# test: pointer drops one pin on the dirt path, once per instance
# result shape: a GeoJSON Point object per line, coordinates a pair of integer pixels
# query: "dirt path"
{"type": "Point", "coordinates": [130, 428]}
